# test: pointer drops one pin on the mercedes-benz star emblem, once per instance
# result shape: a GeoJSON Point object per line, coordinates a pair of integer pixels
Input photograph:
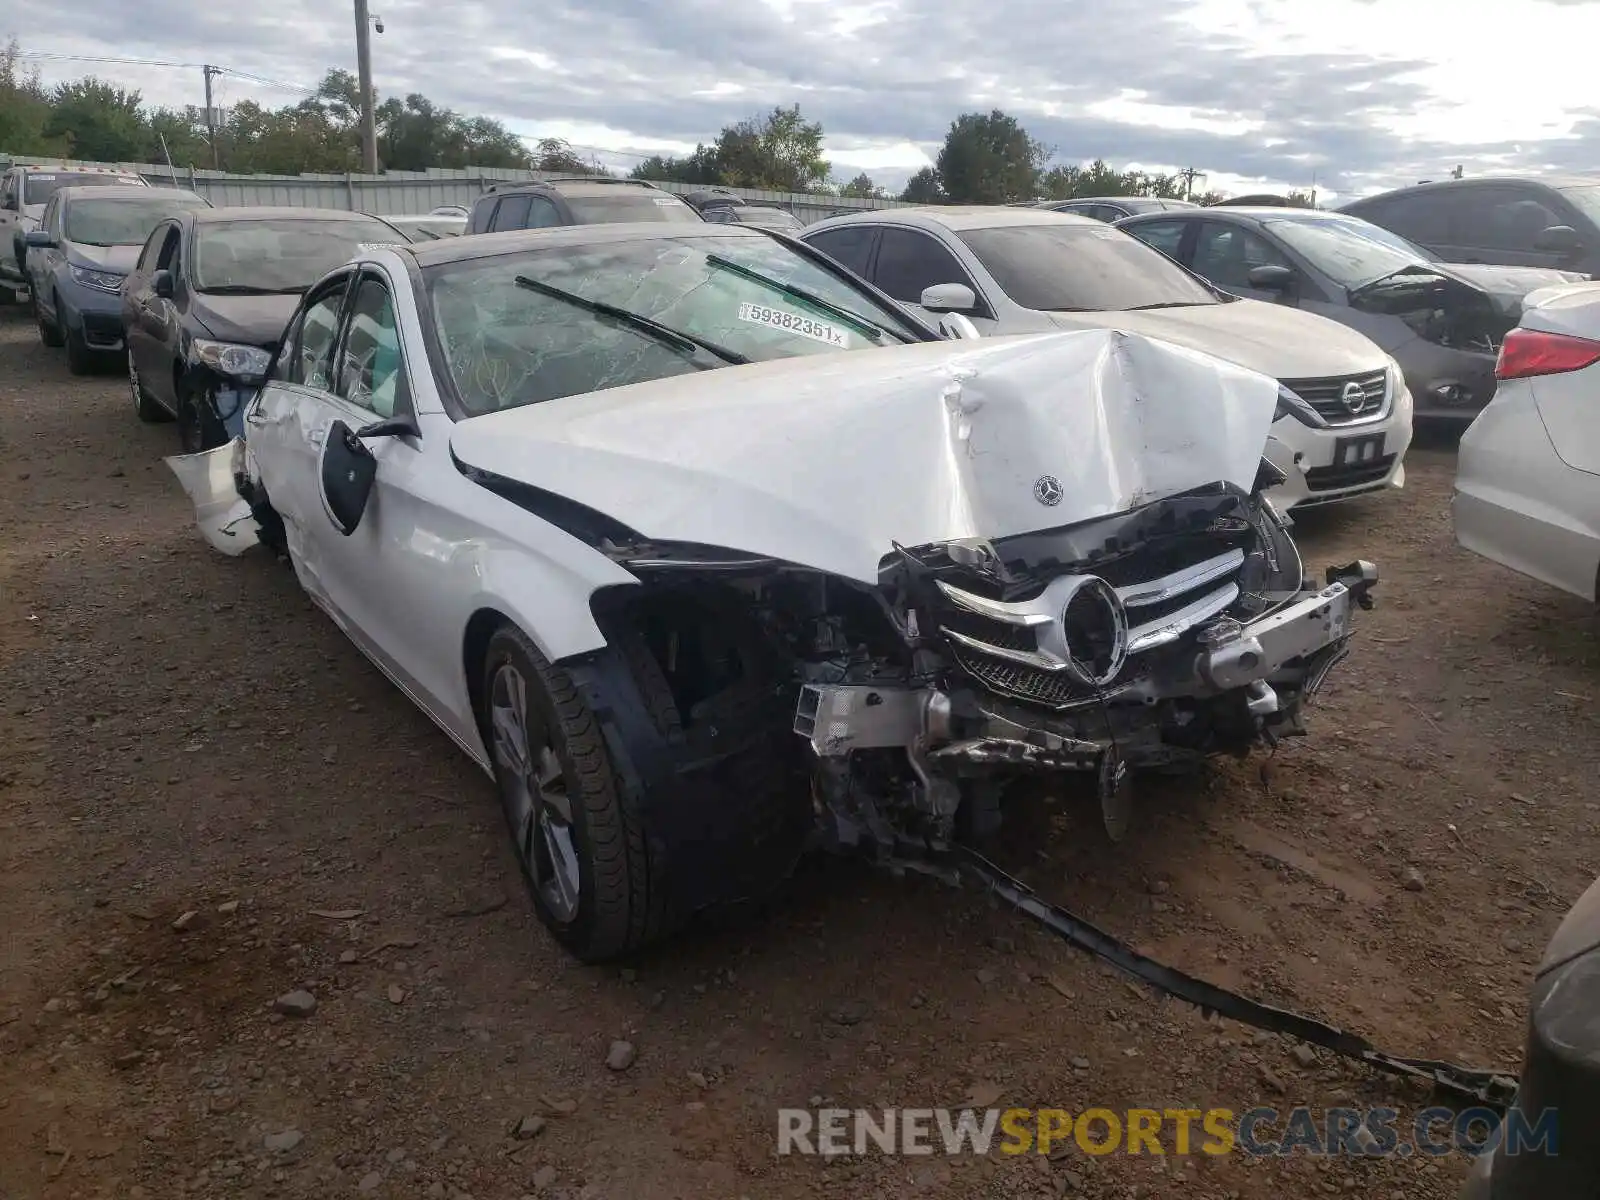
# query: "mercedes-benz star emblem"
{"type": "Point", "coordinates": [1354, 397]}
{"type": "Point", "coordinates": [1047, 490]}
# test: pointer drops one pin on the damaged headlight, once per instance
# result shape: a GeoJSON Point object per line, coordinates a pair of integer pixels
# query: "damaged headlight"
{"type": "Point", "coordinates": [241, 362]}
{"type": "Point", "coordinates": [1291, 404]}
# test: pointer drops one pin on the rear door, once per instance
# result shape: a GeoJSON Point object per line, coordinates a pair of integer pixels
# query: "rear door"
{"type": "Point", "coordinates": [851, 246]}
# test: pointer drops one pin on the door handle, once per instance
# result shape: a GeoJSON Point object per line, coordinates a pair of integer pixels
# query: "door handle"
{"type": "Point", "coordinates": [318, 437]}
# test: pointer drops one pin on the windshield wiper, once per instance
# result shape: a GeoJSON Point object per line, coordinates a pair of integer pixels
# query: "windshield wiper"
{"type": "Point", "coordinates": [875, 332]}
{"type": "Point", "coordinates": [1169, 304]}
{"type": "Point", "coordinates": [665, 334]}
{"type": "Point", "coordinates": [247, 289]}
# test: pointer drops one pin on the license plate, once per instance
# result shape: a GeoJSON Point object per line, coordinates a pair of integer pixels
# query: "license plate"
{"type": "Point", "coordinates": [1358, 451]}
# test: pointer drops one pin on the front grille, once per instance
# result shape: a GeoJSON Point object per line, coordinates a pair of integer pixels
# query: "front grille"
{"type": "Point", "coordinates": [1327, 395]}
{"type": "Point", "coordinates": [1328, 479]}
{"type": "Point", "coordinates": [1021, 649]}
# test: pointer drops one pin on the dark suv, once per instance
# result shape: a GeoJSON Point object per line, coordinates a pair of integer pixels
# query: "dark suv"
{"type": "Point", "coordinates": [575, 200]}
{"type": "Point", "coordinates": [1504, 220]}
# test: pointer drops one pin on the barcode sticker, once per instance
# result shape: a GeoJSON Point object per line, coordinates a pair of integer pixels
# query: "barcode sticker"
{"type": "Point", "coordinates": [808, 327]}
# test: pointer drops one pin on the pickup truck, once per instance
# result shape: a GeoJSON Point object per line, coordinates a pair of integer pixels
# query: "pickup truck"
{"type": "Point", "coordinates": [24, 190]}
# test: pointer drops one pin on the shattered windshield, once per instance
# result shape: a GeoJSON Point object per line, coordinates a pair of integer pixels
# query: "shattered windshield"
{"type": "Point", "coordinates": [1349, 251]}
{"type": "Point", "coordinates": [122, 220]}
{"type": "Point", "coordinates": [508, 344]}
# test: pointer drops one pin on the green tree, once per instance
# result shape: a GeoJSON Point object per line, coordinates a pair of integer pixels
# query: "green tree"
{"type": "Point", "coordinates": [989, 159]}
{"type": "Point", "coordinates": [557, 154]}
{"type": "Point", "coordinates": [782, 151]}
{"type": "Point", "coordinates": [923, 188]}
{"type": "Point", "coordinates": [99, 121]}
{"type": "Point", "coordinates": [1098, 178]}
{"type": "Point", "coordinates": [862, 188]}
{"type": "Point", "coordinates": [699, 167]}
{"type": "Point", "coordinates": [183, 138]}
{"type": "Point", "coordinates": [25, 108]}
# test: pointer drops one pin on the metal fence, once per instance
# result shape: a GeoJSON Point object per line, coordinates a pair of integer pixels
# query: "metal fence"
{"type": "Point", "coordinates": [406, 193]}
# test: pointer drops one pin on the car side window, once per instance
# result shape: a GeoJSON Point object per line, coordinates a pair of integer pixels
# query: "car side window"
{"type": "Point", "coordinates": [1165, 236]}
{"type": "Point", "coordinates": [910, 261]}
{"type": "Point", "coordinates": [8, 191]}
{"type": "Point", "coordinates": [152, 248]}
{"type": "Point", "coordinates": [1504, 219]}
{"type": "Point", "coordinates": [849, 245]}
{"type": "Point", "coordinates": [371, 371]}
{"type": "Point", "coordinates": [511, 213]}
{"type": "Point", "coordinates": [47, 222]}
{"type": "Point", "coordinates": [170, 256]}
{"type": "Point", "coordinates": [542, 213]}
{"type": "Point", "coordinates": [307, 357]}
{"type": "Point", "coordinates": [1226, 254]}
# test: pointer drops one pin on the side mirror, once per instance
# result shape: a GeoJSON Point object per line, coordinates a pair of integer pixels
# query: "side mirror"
{"type": "Point", "coordinates": [38, 238]}
{"type": "Point", "coordinates": [1558, 239]}
{"type": "Point", "coordinates": [1270, 278]}
{"type": "Point", "coordinates": [161, 284]}
{"type": "Point", "coordinates": [955, 327]}
{"type": "Point", "coordinates": [345, 477]}
{"type": "Point", "coordinates": [948, 297]}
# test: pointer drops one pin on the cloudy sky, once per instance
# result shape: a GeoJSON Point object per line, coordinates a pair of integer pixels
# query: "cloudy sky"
{"type": "Point", "coordinates": [1356, 94]}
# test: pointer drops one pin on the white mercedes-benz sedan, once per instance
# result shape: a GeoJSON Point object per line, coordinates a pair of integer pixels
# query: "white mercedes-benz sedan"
{"type": "Point", "coordinates": [1527, 491]}
{"type": "Point", "coordinates": [707, 552]}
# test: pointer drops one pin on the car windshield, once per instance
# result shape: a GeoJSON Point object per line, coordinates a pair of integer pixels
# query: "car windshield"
{"type": "Point", "coordinates": [279, 254]}
{"type": "Point", "coordinates": [1082, 268]}
{"type": "Point", "coordinates": [123, 221]}
{"type": "Point", "coordinates": [613, 208]}
{"type": "Point", "coordinates": [1349, 251]}
{"type": "Point", "coordinates": [1587, 199]}
{"type": "Point", "coordinates": [509, 344]}
{"type": "Point", "coordinates": [40, 186]}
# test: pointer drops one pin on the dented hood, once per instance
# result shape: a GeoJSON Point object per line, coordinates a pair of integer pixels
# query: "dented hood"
{"type": "Point", "coordinates": [830, 460]}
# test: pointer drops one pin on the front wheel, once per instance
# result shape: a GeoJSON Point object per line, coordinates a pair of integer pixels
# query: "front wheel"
{"type": "Point", "coordinates": [578, 837]}
{"type": "Point", "coordinates": [49, 331]}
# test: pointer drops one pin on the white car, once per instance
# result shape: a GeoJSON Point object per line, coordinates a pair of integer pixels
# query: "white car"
{"type": "Point", "coordinates": [1527, 491]}
{"type": "Point", "coordinates": [1345, 422]}
{"type": "Point", "coordinates": [705, 551]}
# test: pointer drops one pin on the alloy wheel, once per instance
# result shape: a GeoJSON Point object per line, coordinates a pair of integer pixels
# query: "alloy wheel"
{"type": "Point", "coordinates": [534, 789]}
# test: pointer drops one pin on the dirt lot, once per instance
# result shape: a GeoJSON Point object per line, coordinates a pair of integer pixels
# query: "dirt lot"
{"type": "Point", "coordinates": [182, 733]}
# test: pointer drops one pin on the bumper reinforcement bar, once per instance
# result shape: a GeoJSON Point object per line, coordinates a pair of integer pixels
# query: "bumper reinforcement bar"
{"type": "Point", "coordinates": [1492, 1088]}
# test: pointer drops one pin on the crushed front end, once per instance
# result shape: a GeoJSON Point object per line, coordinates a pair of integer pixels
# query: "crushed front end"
{"type": "Point", "coordinates": [1143, 640]}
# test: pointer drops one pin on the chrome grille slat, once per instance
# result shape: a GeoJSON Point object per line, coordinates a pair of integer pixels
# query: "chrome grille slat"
{"type": "Point", "coordinates": [1159, 591]}
{"type": "Point", "coordinates": [1174, 625]}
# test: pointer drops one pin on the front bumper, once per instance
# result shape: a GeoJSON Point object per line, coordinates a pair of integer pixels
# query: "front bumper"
{"type": "Point", "coordinates": [1242, 665]}
{"type": "Point", "coordinates": [1340, 462]}
{"type": "Point", "coordinates": [95, 314]}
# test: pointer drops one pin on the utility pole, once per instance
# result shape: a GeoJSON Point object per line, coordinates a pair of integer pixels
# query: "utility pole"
{"type": "Point", "coordinates": [211, 120]}
{"type": "Point", "coordinates": [369, 127]}
{"type": "Point", "coordinates": [1187, 175]}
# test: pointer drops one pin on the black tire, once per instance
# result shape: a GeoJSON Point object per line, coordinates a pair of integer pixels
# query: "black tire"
{"type": "Point", "coordinates": [80, 359]}
{"type": "Point", "coordinates": [198, 426]}
{"type": "Point", "coordinates": [147, 409]}
{"type": "Point", "coordinates": [621, 897]}
{"type": "Point", "coordinates": [49, 332]}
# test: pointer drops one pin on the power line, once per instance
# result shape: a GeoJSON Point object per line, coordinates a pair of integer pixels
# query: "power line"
{"type": "Point", "coordinates": [52, 56]}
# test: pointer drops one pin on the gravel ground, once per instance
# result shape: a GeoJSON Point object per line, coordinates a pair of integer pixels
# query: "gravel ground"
{"type": "Point", "coordinates": [209, 800]}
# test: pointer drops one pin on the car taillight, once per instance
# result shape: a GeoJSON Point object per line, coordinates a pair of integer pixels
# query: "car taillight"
{"type": "Point", "coordinates": [1527, 352]}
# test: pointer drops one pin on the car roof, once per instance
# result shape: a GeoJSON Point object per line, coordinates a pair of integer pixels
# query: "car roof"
{"type": "Point", "coordinates": [956, 217]}
{"type": "Point", "coordinates": [1243, 212]}
{"type": "Point", "coordinates": [208, 216]}
{"type": "Point", "coordinates": [1433, 185]}
{"type": "Point", "coordinates": [574, 185]}
{"type": "Point", "coordinates": [131, 190]}
{"type": "Point", "coordinates": [490, 245]}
